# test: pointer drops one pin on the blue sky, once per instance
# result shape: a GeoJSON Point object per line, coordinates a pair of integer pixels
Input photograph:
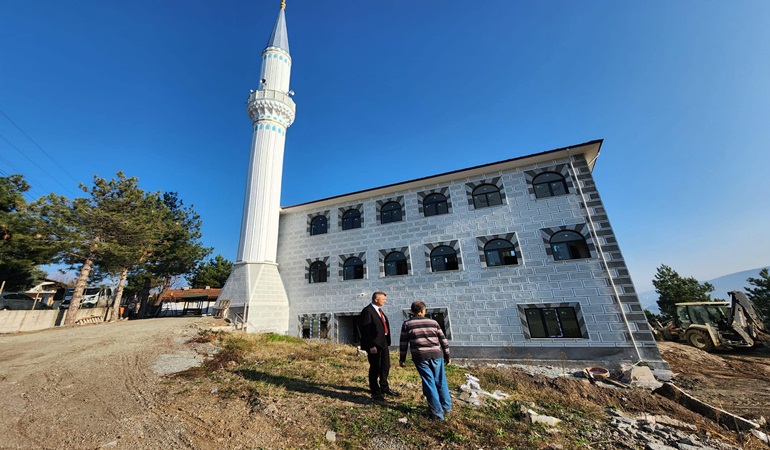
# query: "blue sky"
{"type": "Point", "coordinates": [388, 91]}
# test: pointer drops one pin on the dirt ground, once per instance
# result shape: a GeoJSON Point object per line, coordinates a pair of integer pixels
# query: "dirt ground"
{"type": "Point", "coordinates": [106, 386]}
{"type": "Point", "coordinates": [736, 381]}
{"type": "Point", "coordinates": [92, 386]}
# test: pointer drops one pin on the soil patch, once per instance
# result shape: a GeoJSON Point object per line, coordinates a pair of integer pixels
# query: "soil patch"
{"type": "Point", "coordinates": [736, 381]}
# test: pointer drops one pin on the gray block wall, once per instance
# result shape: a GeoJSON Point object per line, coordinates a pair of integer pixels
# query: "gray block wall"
{"type": "Point", "coordinates": [483, 303]}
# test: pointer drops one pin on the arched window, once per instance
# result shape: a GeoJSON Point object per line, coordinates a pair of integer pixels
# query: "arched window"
{"type": "Point", "coordinates": [353, 269]}
{"type": "Point", "coordinates": [391, 212]}
{"type": "Point", "coordinates": [486, 195]}
{"type": "Point", "coordinates": [500, 252]}
{"type": "Point", "coordinates": [549, 184]}
{"type": "Point", "coordinates": [569, 245]}
{"type": "Point", "coordinates": [318, 225]}
{"type": "Point", "coordinates": [318, 272]}
{"type": "Point", "coordinates": [395, 264]}
{"type": "Point", "coordinates": [443, 258]}
{"type": "Point", "coordinates": [351, 219]}
{"type": "Point", "coordinates": [435, 205]}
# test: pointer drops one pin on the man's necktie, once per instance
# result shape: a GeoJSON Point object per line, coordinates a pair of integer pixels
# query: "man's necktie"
{"type": "Point", "coordinates": [384, 323]}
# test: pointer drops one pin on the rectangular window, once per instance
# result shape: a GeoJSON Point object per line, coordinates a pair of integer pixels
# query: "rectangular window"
{"type": "Point", "coordinates": [440, 315]}
{"type": "Point", "coordinates": [315, 327]}
{"type": "Point", "coordinates": [559, 322]}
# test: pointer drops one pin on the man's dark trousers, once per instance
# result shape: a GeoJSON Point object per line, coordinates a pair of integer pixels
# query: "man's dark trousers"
{"type": "Point", "coordinates": [379, 367]}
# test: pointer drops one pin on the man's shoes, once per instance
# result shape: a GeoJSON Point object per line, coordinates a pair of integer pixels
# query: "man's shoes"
{"type": "Point", "coordinates": [391, 393]}
{"type": "Point", "coordinates": [430, 415]}
{"type": "Point", "coordinates": [378, 398]}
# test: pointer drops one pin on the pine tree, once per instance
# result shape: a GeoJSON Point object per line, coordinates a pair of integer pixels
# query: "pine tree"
{"type": "Point", "coordinates": [672, 289]}
{"type": "Point", "coordinates": [180, 251]}
{"type": "Point", "coordinates": [212, 273]}
{"type": "Point", "coordinates": [20, 252]}
{"type": "Point", "coordinates": [111, 229]}
{"type": "Point", "coordinates": [760, 294]}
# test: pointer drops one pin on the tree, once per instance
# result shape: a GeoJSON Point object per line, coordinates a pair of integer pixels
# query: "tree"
{"type": "Point", "coordinates": [652, 318]}
{"type": "Point", "coordinates": [111, 229]}
{"type": "Point", "coordinates": [145, 213]}
{"type": "Point", "coordinates": [672, 289]}
{"type": "Point", "coordinates": [212, 273]}
{"type": "Point", "coordinates": [180, 250]}
{"type": "Point", "coordinates": [20, 252]}
{"type": "Point", "coordinates": [760, 294]}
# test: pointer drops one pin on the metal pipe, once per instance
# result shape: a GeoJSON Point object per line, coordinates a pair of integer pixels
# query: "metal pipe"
{"type": "Point", "coordinates": [592, 228]}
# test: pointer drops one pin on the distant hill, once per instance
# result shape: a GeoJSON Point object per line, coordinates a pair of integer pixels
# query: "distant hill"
{"type": "Point", "coordinates": [722, 285]}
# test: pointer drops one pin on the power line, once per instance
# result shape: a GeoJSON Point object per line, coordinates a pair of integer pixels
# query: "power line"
{"type": "Point", "coordinates": [38, 146]}
{"type": "Point", "coordinates": [36, 164]}
{"type": "Point", "coordinates": [33, 189]}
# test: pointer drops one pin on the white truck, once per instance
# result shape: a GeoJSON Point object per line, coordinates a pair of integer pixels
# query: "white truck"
{"type": "Point", "coordinates": [92, 297]}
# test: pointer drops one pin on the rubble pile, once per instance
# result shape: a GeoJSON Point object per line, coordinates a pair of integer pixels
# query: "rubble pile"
{"type": "Point", "coordinates": [655, 433]}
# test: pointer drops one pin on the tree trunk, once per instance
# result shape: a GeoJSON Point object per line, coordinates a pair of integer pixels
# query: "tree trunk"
{"type": "Point", "coordinates": [159, 302]}
{"type": "Point", "coordinates": [115, 312]}
{"type": "Point", "coordinates": [77, 295]}
{"type": "Point", "coordinates": [144, 297]}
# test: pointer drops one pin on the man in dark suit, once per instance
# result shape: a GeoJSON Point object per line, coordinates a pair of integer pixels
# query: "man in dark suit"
{"type": "Point", "coordinates": [375, 340]}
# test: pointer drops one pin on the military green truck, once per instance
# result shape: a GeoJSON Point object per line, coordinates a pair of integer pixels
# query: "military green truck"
{"type": "Point", "coordinates": [713, 326]}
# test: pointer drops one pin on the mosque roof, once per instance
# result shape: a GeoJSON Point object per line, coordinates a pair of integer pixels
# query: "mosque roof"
{"type": "Point", "coordinates": [589, 149]}
{"type": "Point", "coordinates": [280, 38]}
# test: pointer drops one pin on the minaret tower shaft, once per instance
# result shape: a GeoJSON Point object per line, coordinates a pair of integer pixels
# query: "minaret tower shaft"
{"type": "Point", "coordinates": [254, 287]}
{"type": "Point", "coordinates": [272, 112]}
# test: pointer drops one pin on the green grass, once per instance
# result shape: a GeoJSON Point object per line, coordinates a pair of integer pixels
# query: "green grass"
{"type": "Point", "coordinates": [324, 386]}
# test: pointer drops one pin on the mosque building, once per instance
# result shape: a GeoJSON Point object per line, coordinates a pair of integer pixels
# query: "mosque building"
{"type": "Point", "coordinates": [515, 259]}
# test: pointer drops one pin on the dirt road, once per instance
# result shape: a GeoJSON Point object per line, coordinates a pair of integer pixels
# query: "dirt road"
{"type": "Point", "coordinates": [91, 386]}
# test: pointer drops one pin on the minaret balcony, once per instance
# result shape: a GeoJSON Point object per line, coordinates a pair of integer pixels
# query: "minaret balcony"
{"type": "Point", "coordinates": [272, 102]}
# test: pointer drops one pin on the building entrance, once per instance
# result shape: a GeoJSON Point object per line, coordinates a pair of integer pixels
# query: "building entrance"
{"type": "Point", "coordinates": [347, 328]}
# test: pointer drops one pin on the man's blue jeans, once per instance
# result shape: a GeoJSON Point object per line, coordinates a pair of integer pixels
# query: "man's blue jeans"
{"type": "Point", "coordinates": [434, 385]}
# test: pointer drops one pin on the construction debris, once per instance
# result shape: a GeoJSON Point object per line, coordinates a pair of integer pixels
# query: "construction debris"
{"type": "Point", "coordinates": [472, 392]}
{"type": "Point", "coordinates": [660, 433]}
{"type": "Point", "coordinates": [640, 376]}
{"type": "Point", "coordinates": [534, 417]}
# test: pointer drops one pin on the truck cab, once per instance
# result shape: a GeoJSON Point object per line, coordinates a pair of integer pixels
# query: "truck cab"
{"type": "Point", "coordinates": [718, 325]}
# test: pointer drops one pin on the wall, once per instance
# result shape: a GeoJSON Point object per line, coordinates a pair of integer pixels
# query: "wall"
{"type": "Point", "coordinates": [25, 320]}
{"type": "Point", "coordinates": [482, 302]}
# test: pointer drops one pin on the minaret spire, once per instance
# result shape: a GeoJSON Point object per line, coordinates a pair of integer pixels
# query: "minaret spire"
{"type": "Point", "coordinates": [255, 286]}
{"type": "Point", "coordinates": [279, 38]}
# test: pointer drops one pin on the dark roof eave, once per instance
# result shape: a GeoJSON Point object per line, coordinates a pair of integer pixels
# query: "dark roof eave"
{"type": "Point", "coordinates": [468, 169]}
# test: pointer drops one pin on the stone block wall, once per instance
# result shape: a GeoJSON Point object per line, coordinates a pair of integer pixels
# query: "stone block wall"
{"type": "Point", "coordinates": [484, 303]}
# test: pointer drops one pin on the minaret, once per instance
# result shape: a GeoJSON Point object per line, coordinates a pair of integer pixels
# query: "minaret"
{"type": "Point", "coordinates": [255, 285]}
